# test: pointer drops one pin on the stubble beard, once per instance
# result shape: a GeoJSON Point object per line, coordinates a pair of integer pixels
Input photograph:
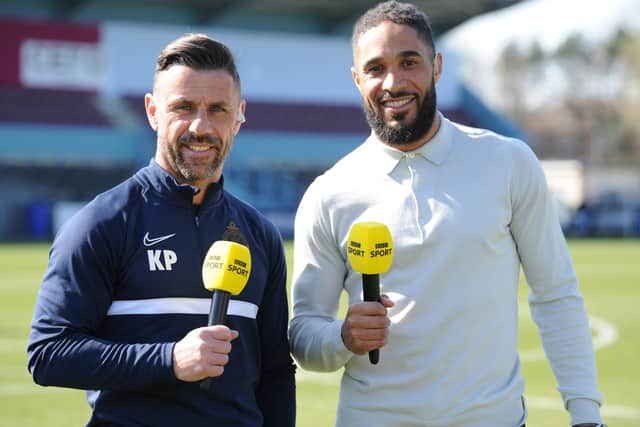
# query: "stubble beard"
{"type": "Point", "coordinates": [409, 133]}
{"type": "Point", "coordinates": [188, 171]}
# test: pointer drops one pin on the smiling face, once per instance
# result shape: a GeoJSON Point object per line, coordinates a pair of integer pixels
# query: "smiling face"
{"type": "Point", "coordinates": [195, 114]}
{"type": "Point", "coordinates": [396, 73]}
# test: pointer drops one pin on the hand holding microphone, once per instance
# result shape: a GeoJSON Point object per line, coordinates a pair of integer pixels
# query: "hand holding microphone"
{"type": "Point", "coordinates": [203, 352]}
{"type": "Point", "coordinates": [370, 252]}
{"type": "Point", "coordinates": [225, 271]}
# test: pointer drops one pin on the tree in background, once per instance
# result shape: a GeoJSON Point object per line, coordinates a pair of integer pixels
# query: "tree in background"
{"type": "Point", "coordinates": [580, 101]}
{"type": "Point", "coordinates": [630, 99]}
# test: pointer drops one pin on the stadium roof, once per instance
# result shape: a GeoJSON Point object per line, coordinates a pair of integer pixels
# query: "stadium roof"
{"type": "Point", "coordinates": [310, 16]}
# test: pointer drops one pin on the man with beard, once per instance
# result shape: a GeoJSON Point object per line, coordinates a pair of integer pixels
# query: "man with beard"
{"type": "Point", "coordinates": [465, 207]}
{"type": "Point", "coordinates": [122, 311]}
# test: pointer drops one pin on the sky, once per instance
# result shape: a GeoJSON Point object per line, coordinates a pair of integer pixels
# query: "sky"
{"type": "Point", "coordinates": [549, 22]}
{"type": "Point", "coordinates": [478, 42]}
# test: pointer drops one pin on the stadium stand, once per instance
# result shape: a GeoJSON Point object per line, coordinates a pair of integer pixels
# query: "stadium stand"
{"type": "Point", "coordinates": [50, 107]}
{"type": "Point", "coordinates": [28, 9]}
{"type": "Point", "coordinates": [72, 117]}
{"type": "Point", "coordinates": [99, 10]}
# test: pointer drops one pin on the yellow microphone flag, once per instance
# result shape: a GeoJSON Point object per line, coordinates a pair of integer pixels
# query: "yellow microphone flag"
{"type": "Point", "coordinates": [226, 267]}
{"type": "Point", "coordinates": [370, 247]}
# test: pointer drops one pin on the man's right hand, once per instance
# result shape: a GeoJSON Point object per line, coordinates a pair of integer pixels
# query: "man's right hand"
{"type": "Point", "coordinates": [366, 326]}
{"type": "Point", "coordinates": [203, 353]}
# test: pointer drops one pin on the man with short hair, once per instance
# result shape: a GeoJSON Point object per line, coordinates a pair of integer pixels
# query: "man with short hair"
{"type": "Point", "coordinates": [466, 207]}
{"type": "Point", "coordinates": [122, 311]}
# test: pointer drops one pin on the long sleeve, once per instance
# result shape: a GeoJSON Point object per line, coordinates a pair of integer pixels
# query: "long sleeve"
{"type": "Point", "coordinates": [318, 278]}
{"type": "Point", "coordinates": [276, 392]}
{"type": "Point", "coordinates": [556, 304]}
{"type": "Point", "coordinates": [74, 297]}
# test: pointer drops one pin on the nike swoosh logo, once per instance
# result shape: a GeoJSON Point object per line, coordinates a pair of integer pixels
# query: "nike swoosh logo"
{"type": "Point", "coordinates": [147, 241]}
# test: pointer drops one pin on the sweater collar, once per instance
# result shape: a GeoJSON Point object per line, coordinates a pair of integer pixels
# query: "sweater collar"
{"type": "Point", "coordinates": [165, 184]}
{"type": "Point", "coordinates": [436, 150]}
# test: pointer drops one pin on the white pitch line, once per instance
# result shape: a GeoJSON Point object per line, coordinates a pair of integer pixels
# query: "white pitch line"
{"type": "Point", "coordinates": [605, 334]}
{"type": "Point", "coordinates": [607, 411]}
{"type": "Point", "coordinates": [13, 345]}
{"type": "Point", "coordinates": [18, 389]}
{"type": "Point", "coordinates": [537, 402]}
{"type": "Point", "coordinates": [22, 389]}
{"type": "Point", "coordinates": [327, 378]}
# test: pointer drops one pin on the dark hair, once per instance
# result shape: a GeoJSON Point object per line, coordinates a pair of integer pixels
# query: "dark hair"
{"type": "Point", "coordinates": [199, 52]}
{"type": "Point", "coordinates": [398, 13]}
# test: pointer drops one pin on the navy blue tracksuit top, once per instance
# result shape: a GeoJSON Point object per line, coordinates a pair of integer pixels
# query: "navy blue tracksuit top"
{"type": "Point", "coordinates": [124, 284]}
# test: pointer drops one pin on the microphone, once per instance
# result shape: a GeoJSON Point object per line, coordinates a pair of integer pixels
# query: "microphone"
{"type": "Point", "coordinates": [225, 271]}
{"type": "Point", "coordinates": [370, 252]}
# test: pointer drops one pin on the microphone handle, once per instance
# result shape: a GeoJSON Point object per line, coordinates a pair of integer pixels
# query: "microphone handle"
{"type": "Point", "coordinates": [217, 316]}
{"type": "Point", "coordinates": [218, 310]}
{"type": "Point", "coordinates": [371, 292]}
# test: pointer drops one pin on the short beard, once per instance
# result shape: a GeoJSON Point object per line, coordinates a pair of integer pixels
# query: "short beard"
{"type": "Point", "coordinates": [410, 133]}
{"type": "Point", "coordinates": [187, 172]}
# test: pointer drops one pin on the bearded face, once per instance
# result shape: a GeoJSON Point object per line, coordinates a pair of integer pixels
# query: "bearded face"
{"type": "Point", "coordinates": [403, 131]}
{"type": "Point", "coordinates": [396, 70]}
{"type": "Point", "coordinates": [195, 115]}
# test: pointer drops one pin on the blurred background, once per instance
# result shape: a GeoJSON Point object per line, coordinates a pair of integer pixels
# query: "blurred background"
{"type": "Point", "coordinates": [74, 73]}
{"type": "Point", "coordinates": [562, 75]}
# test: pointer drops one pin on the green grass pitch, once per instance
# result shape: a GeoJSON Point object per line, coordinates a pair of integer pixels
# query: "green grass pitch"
{"type": "Point", "coordinates": [609, 273]}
